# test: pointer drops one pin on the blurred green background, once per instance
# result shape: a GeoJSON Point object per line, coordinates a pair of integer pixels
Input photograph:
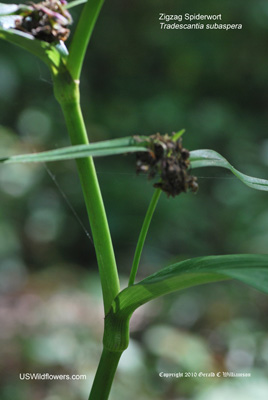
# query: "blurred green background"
{"type": "Point", "coordinates": [137, 79]}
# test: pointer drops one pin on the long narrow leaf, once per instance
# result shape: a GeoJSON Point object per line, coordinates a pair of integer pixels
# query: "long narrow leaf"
{"type": "Point", "coordinates": [74, 3]}
{"type": "Point", "coordinates": [105, 148]}
{"type": "Point", "coordinates": [251, 269]}
{"type": "Point", "coordinates": [51, 54]}
{"type": "Point", "coordinates": [210, 158]}
{"type": "Point", "coordinates": [198, 158]}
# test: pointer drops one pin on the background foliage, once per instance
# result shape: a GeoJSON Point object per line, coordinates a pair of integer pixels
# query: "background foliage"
{"type": "Point", "coordinates": [137, 79]}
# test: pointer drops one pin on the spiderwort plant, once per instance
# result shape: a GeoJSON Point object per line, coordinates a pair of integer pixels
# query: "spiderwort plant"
{"type": "Point", "coordinates": [42, 29]}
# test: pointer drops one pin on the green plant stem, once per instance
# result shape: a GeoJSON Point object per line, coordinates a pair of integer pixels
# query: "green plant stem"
{"type": "Point", "coordinates": [105, 374]}
{"type": "Point", "coordinates": [82, 36]}
{"type": "Point", "coordinates": [143, 234]}
{"type": "Point", "coordinates": [67, 94]}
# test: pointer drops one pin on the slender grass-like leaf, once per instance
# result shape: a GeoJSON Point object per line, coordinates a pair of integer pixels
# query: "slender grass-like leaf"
{"type": "Point", "coordinates": [251, 269]}
{"type": "Point", "coordinates": [52, 55]}
{"type": "Point", "coordinates": [198, 158]}
{"type": "Point", "coordinates": [100, 149]}
{"type": "Point", "coordinates": [210, 158]}
{"type": "Point", "coordinates": [178, 135]}
{"type": "Point", "coordinates": [74, 3]}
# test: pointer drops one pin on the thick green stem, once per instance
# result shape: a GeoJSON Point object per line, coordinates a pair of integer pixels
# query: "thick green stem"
{"type": "Point", "coordinates": [82, 36]}
{"type": "Point", "coordinates": [143, 234]}
{"type": "Point", "coordinates": [105, 375]}
{"type": "Point", "coordinates": [67, 93]}
{"type": "Point", "coordinates": [115, 341]}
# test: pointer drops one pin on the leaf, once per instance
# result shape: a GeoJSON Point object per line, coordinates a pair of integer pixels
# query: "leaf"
{"type": "Point", "coordinates": [105, 148]}
{"type": "Point", "coordinates": [210, 158]}
{"type": "Point", "coordinates": [52, 55]}
{"type": "Point", "coordinates": [178, 135]}
{"type": "Point", "coordinates": [74, 3]}
{"type": "Point", "coordinates": [198, 158]}
{"type": "Point", "coordinates": [251, 269]}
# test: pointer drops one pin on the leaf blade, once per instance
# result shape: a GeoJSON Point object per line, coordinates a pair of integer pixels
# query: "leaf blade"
{"type": "Point", "coordinates": [99, 149]}
{"type": "Point", "coordinates": [74, 4]}
{"type": "Point", "coordinates": [251, 269]}
{"type": "Point", "coordinates": [210, 158]}
{"type": "Point", "coordinates": [50, 54]}
{"type": "Point", "coordinates": [198, 158]}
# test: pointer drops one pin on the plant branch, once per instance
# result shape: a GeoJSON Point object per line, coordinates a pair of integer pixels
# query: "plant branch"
{"type": "Point", "coordinates": [82, 36]}
{"type": "Point", "coordinates": [143, 234]}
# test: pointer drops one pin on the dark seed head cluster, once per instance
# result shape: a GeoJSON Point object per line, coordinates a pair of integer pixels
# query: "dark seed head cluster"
{"type": "Point", "coordinates": [46, 21]}
{"type": "Point", "coordinates": [169, 160]}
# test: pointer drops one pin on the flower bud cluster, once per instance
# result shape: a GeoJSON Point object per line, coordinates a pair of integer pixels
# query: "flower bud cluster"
{"type": "Point", "coordinates": [46, 21]}
{"type": "Point", "coordinates": [169, 160]}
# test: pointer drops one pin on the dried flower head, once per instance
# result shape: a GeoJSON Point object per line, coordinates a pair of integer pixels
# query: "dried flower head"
{"type": "Point", "coordinates": [46, 21]}
{"type": "Point", "coordinates": [169, 160]}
